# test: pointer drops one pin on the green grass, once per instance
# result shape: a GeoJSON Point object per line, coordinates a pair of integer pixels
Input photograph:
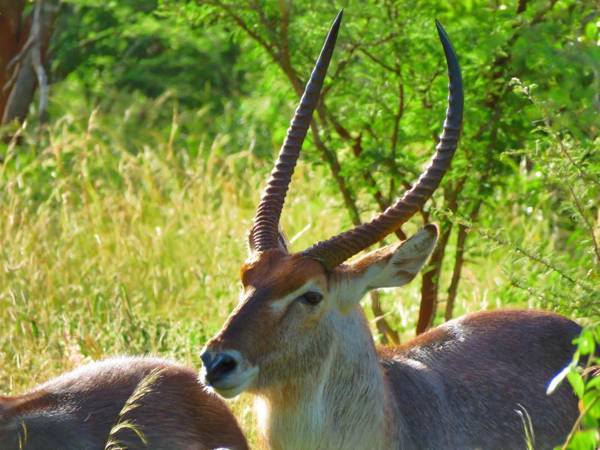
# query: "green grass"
{"type": "Point", "coordinates": [108, 250]}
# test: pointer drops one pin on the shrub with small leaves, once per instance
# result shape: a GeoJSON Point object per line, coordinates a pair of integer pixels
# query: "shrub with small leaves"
{"type": "Point", "coordinates": [583, 373]}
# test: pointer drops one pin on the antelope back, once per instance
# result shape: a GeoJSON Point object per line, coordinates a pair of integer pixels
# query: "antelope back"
{"type": "Point", "coordinates": [133, 402]}
{"type": "Point", "coordinates": [479, 380]}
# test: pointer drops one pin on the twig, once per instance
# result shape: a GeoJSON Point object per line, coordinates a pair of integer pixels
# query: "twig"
{"type": "Point", "coordinates": [19, 56]}
{"type": "Point", "coordinates": [36, 60]}
{"type": "Point", "coordinates": [144, 387]}
{"type": "Point", "coordinates": [387, 332]}
{"type": "Point", "coordinates": [336, 170]}
{"type": "Point", "coordinates": [544, 262]}
{"type": "Point", "coordinates": [430, 281]}
{"type": "Point", "coordinates": [378, 61]}
{"type": "Point", "coordinates": [244, 26]}
{"type": "Point", "coordinates": [577, 423]}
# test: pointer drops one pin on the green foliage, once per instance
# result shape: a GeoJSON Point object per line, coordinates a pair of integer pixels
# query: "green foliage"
{"type": "Point", "coordinates": [136, 46]}
{"type": "Point", "coordinates": [583, 374]}
{"type": "Point", "coordinates": [559, 192]}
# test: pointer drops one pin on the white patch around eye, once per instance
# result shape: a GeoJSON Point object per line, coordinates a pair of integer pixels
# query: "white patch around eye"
{"type": "Point", "coordinates": [282, 303]}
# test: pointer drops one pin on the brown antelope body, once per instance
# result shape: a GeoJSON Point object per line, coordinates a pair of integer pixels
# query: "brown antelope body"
{"type": "Point", "coordinates": [299, 341]}
{"type": "Point", "coordinates": [77, 411]}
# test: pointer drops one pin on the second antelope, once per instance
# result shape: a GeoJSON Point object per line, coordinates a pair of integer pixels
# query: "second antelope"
{"type": "Point", "coordinates": [133, 403]}
{"type": "Point", "coordinates": [299, 341]}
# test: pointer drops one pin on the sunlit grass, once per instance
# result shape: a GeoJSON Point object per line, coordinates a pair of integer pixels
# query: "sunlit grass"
{"type": "Point", "coordinates": [105, 252]}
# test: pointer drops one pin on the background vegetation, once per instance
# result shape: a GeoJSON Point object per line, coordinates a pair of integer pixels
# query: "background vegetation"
{"type": "Point", "coordinates": [127, 202]}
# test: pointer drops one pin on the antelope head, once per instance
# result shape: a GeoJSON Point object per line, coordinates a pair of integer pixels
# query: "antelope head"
{"type": "Point", "coordinates": [293, 304]}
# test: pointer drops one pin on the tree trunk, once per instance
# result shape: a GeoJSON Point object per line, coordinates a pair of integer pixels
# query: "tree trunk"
{"type": "Point", "coordinates": [461, 242]}
{"type": "Point", "coordinates": [29, 71]}
{"type": "Point", "coordinates": [12, 38]}
{"type": "Point", "coordinates": [430, 282]}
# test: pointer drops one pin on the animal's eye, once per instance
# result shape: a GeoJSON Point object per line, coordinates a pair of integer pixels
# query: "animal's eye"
{"type": "Point", "coordinates": [311, 298]}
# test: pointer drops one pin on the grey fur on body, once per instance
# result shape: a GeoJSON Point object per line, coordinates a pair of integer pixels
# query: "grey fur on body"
{"type": "Point", "coordinates": [77, 410]}
{"type": "Point", "coordinates": [460, 385]}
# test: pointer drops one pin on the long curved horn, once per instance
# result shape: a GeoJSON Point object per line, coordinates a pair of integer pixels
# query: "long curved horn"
{"type": "Point", "coordinates": [264, 233]}
{"type": "Point", "coordinates": [338, 249]}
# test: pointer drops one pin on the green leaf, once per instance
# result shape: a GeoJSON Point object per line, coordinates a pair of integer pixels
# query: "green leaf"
{"type": "Point", "coordinates": [576, 382]}
{"type": "Point", "coordinates": [592, 399]}
{"type": "Point", "coordinates": [586, 343]}
{"type": "Point", "coordinates": [591, 30]}
{"type": "Point", "coordinates": [584, 440]}
{"type": "Point", "coordinates": [594, 383]}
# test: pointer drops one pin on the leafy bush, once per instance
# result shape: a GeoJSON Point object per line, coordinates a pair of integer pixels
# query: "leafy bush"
{"type": "Point", "coordinates": [584, 376]}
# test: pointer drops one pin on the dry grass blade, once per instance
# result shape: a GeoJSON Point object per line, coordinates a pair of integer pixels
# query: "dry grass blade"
{"type": "Point", "coordinates": [143, 388]}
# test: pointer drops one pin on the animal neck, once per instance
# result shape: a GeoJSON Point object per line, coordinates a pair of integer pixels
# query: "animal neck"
{"type": "Point", "coordinates": [340, 403]}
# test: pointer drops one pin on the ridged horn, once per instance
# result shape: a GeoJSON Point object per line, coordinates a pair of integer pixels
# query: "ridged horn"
{"type": "Point", "coordinates": [338, 249]}
{"type": "Point", "coordinates": [264, 233]}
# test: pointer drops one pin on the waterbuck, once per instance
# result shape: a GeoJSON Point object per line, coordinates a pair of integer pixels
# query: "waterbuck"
{"type": "Point", "coordinates": [135, 403]}
{"type": "Point", "coordinates": [299, 342]}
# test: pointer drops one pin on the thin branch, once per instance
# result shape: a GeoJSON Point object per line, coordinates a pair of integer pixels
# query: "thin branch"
{"type": "Point", "coordinates": [395, 131]}
{"type": "Point", "coordinates": [36, 60]}
{"type": "Point", "coordinates": [29, 69]}
{"type": "Point", "coordinates": [538, 259]}
{"type": "Point", "coordinates": [283, 62]}
{"type": "Point", "coordinates": [378, 61]}
{"type": "Point", "coordinates": [521, 6]}
{"type": "Point", "coordinates": [268, 25]}
{"type": "Point", "coordinates": [461, 241]}
{"type": "Point", "coordinates": [339, 68]}
{"type": "Point", "coordinates": [385, 330]}
{"type": "Point", "coordinates": [577, 423]}
{"type": "Point", "coordinates": [285, 22]}
{"type": "Point", "coordinates": [583, 177]}
{"type": "Point", "coordinates": [244, 26]}
{"type": "Point", "coordinates": [581, 173]}
{"type": "Point", "coordinates": [336, 171]}
{"type": "Point", "coordinates": [18, 58]}
{"type": "Point", "coordinates": [586, 222]}
{"type": "Point", "coordinates": [430, 281]}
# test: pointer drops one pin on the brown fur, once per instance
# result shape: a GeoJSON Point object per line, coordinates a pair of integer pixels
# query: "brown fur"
{"type": "Point", "coordinates": [264, 270]}
{"type": "Point", "coordinates": [252, 322]}
{"type": "Point", "coordinates": [78, 409]}
{"type": "Point", "coordinates": [378, 256]}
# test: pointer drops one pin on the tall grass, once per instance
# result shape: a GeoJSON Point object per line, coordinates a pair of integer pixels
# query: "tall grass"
{"type": "Point", "coordinates": [110, 251]}
{"type": "Point", "coordinates": [121, 239]}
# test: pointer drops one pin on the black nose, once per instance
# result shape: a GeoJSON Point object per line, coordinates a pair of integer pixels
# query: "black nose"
{"type": "Point", "coordinates": [217, 366]}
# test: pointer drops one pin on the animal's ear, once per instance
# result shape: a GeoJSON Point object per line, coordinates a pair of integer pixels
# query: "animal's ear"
{"type": "Point", "coordinates": [390, 266]}
{"type": "Point", "coordinates": [282, 241]}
